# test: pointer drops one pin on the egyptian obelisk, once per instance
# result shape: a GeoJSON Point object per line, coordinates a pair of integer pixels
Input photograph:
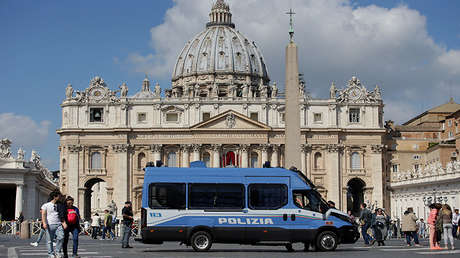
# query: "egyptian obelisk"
{"type": "Point", "coordinates": [292, 110]}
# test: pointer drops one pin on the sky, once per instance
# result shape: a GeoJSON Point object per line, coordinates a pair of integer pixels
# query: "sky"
{"type": "Point", "coordinates": [410, 48]}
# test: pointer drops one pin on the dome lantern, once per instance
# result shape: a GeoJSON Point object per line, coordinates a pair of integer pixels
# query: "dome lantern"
{"type": "Point", "coordinates": [220, 15]}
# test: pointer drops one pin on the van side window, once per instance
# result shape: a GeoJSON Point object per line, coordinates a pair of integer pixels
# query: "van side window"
{"type": "Point", "coordinates": [167, 196]}
{"type": "Point", "coordinates": [309, 200]}
{"type": "Point", "coordinates": [267, 196]}
{"type": "Point", "coordinates": [216, 196]}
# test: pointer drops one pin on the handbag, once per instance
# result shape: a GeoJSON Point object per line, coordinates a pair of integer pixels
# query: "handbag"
{"type": "Point", "coordinates": [439, 224]}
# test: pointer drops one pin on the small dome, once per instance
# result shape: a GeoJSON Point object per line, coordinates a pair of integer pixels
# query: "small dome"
{"type": "Point", "coordinates": [220, 50]}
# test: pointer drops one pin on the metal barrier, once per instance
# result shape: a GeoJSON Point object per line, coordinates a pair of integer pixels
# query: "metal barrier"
{"type": "Point", "coordinates": [8, 228]}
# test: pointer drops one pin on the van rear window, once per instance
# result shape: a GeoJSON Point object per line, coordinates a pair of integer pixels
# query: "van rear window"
{"type": "Point", "coordinates": [167, 196]}
{"type": "Point", "coordinates": [267, 196]}
{"type": "Point", "coordinates": [216, 196]}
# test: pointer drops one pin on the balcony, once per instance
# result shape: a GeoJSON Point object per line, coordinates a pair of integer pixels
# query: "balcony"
{"type": "Point", "coordinates": [356, 172]}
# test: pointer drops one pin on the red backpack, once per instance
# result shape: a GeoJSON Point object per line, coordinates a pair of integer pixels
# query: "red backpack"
{"type": "Point", "coordinates": [72, 216]}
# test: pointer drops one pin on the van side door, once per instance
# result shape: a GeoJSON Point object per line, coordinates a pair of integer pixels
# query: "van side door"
{"type": "Point", "coordinates": [267, 216]}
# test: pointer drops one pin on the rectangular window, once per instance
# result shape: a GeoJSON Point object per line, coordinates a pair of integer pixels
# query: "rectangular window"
{"type": "Point", "coordinates": [317, 117]}
{"type": "Point", "coordinates": [141, 117]}
{"type": "Point", "coordinates": [395, 168]}
{"type": "Point", "coordinates": [354, 115]}
{"type": "Point", "coordinates": [416, 167]}
{"type": "Point", "coordinates": [451, 135]}
{"type": "Point", "coordinates": [255, 116]}
{"type": "Point", "coordinates": [206, 116]}
{"type": "Point", "coordinates": [267, 196]}
{"type": "Point", "coordinates": [96, 115]}
{"type": "Point", "coordinates": [449, 123]}
{"type": "Point", "coordinates": [283, 117]}
{"type": "Point", "coordinates": [309, 200]}
{"type": "Point", "coordinates": [216, 196]}
{"type": "Point", "coordinates": [172, 117]}
{"type": "Point", "coordinates": [167, 196]}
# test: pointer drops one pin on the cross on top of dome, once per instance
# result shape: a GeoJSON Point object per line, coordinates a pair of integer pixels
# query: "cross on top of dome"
{"type": "Point", "coordinates": [220, 15]}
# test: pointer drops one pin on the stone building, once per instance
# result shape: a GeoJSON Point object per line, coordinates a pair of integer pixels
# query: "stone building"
{"type": "Point", "coordinates": [223, 110]}
{"type": "Point", "coordinates": [423, 156]}
{"type": "Point", "coordinates": [24, 185]}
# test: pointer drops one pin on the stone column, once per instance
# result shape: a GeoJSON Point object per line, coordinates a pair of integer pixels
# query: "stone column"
{"type": "Point", "coordinates": [244, 155]}
{"type": "Point", "coordinates": [81, 204]}
{"type": "Point", "coordinates": [264, 148]}
{"type": "Point", "coordinates": [275, 153]}
{"type": "Point", "coordinates": [309, 162]}
{"type": "Point", "coordinates": [303, 165]}
{"type": "Point", "coordinates": [19, 200]}
{"type": "Point", "coordinates": [121, 175]}
{"type": "Point", "coordinates": [185, 155]}
{"type": "Point", "coordinates": [377, 173]}
{"type": "Point", "coordinates": [333, 167]}
{"type": "Point", "coordinates": [156, 149]}
{"type": "Point", "coordinates": [73, 172]}
{"type": "Point", "coordinates": [196, 152]}
{"type": "Point", "coordinates": [215, 155]}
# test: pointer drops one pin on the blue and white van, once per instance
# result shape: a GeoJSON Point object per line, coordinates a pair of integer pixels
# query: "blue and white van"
{"type": "Point", "coordinates": [256, 206]}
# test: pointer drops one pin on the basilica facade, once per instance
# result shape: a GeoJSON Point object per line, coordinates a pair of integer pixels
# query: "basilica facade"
{"type": "Point", "coordinates": [222, 109]}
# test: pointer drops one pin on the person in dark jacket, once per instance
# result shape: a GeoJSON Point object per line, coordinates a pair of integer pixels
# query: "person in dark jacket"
{"type": "Point", "coordinates": [73, 226]}
{"type": "Point", "coordinates": [365, 220]}
{"type": "Point", "coordinates": [127, 224]}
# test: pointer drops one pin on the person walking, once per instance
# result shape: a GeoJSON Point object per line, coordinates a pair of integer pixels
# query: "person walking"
{"type": "Point", "coordinates": [95, 222]}
{"type": "Point", "coordinates": [432, 226]}
{"type": "Point", "coordinates": [365, 219]}
{"type": "Point", "coordinates": [40, 235]}
{"type": "Point", "coordinates": [421, 229]}
{"type": "Point", "coordinates": [379, 223]}
{"type": "Point", "coordinates": [127, 213]}
{"type": "Point", "coordinates": [54, 223]}
{"type": "Point", "coordinates": [446, 216]}
{"type": "Point", "coordinates": [455, 220]}
{"type": "Point", "coordinates": [73, 227]}
{"type": "Point", "coordinates": [107, 227]}
{"type": "Point", "coordinates": [409, 227]}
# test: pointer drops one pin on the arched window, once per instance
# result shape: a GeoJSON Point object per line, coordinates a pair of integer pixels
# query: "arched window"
{"type": "Point", "coordinates": [254, 160]}
{"type": "Point", "coordinates": [318, 160]}
{"type": "Point", "coordinates": [355, 161]}
{"type": "Point", "coordinates": [141, 160]}
{"type": "Point", "coordinates": [64, 164]}
{"type": "Point", "coordinates": [207, 159]}
{"type": "Point", "coordinates": [172, 160]}
{"type": "Point", "coordinates": [96, 160]}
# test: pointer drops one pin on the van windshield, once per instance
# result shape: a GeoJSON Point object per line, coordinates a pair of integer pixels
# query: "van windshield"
{"type": "Point", "coordinates": [310, 200]}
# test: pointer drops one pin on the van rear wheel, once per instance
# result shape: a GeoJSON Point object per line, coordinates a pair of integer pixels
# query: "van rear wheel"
{"type": "Point", "coordinates": [326, 241]}
{"type": "Point", "coordinates": [201, 241]}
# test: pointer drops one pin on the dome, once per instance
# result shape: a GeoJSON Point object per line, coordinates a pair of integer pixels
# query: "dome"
{"type": "Point", "coordinates": [220, 55]}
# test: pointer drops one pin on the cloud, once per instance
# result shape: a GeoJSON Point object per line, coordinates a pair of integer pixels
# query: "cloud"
{"type": "Point", "coordinates": [23, 131]}
{"type": "Point", "coordinates": [336, 39]}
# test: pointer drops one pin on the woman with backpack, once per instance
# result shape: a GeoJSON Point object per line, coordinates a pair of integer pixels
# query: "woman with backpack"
{"type": "Point", "coordinates": [73, 226]}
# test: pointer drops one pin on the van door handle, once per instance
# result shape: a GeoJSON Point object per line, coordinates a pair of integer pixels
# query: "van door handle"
{"type": "Point", "coordinates": [284, 217]}
{"type": "Point", "coordinates": [292, 217]}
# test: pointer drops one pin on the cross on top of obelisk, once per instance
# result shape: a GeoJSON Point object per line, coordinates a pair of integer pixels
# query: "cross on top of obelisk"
{"type": "Point", "coordinates": [291, 24]}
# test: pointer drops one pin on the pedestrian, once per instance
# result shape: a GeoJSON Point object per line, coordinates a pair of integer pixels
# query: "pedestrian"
{"type": "Point", "coordinates": [40, 235]}
{"type": "Point", "coordinates": [331, 204]}
{"type": "Point", "coordinates": [409, 227]}
{"type": "Point", "coordinates": [95, 222]}
{"type": "Point", "coordinates": [107, 226]}
{"type": "Point", "coordinates": [432, 226]}
{"type": "Point", "coordinates": [365, 220]}
{"type": "Point", "coordinates": [127, 213]}
{"type": "Point", "coordinates": [73, 226]}
{"type": "Point", "coordinates": [350, 214]}
{"type": "Point", "coordinates": [446, 215]}
{"type": "Point", "coordinates": [379, 223]}
{"type": "Point", "coordinates": [421, 228]}
{"type": "Point", "coordinates": [455, 220]}
{"type": "Point", "coordinates": [54, 223]}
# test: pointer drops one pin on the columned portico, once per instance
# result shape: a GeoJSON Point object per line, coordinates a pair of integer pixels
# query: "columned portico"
{"type": "Point", "coordinates": [275, 153]}
{"type": "Point", "coordinates": [216, 155]}
{"type": "Point", "coordinates": [264, 148]}
{"type": "Point", "coordinates": [156, 150]}
{"type": "Point", "coordinates": [196, 152]}
{"type": "Point", "coordinates": [185, 155]}
{"type": "Point", "coordinates": [244, 155]}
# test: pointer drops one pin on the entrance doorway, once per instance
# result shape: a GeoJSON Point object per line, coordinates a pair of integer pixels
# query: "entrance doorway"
{"type": "Point", "coordinates": [355, 195]}
{"type": "Point", "coordinates": [8, 201]}
{"type": "Point", "coordinates": [95, 197]}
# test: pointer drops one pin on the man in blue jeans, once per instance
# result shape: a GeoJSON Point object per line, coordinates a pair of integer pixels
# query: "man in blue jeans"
{"type": "Point", "coordinates": [127, 224]}
{"type": "Point", "coordinates": [73, 227]}
{"type": "Point", "coordinates": [365, 219]}
{"type": "Point", "coordinates": [54, 223]}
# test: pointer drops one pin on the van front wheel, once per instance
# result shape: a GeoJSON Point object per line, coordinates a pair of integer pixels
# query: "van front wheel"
{"type": "Point", "coordinates": [201, 241]}
{"type": "Point", "coordinates": [326, 241]}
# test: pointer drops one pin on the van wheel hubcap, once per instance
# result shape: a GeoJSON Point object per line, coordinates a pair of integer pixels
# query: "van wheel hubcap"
{"type": "Point", "coordinates": [202, 242]}
{"type": "Point", "coordinates": [328, 242]}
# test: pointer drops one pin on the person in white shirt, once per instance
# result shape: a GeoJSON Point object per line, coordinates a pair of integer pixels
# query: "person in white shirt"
{"type": "Point", "coordinates": [455, 220]}
{"type": "Point", "coordinates": [54, 223]}
{"type": "Point", "coordinates": [95, 224]}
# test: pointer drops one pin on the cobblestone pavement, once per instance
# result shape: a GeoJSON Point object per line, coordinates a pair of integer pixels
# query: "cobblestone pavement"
{"type": "Point", "coordinates": [12, 248]}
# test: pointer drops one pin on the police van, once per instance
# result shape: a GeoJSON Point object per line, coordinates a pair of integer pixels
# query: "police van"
{"type": "Point", "coordinates": [257, 206]}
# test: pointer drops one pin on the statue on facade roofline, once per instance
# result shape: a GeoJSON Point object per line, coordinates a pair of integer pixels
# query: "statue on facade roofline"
{"type": "Point", "coordinates": [21, 154]}
{"type": "Point", "coordinates": [123, 90]}
{"type": "Point", "coordinates": [157, 91]}
{"type": "Point", "coordinates": [69, 92]}
{"type": "Point", "coordinates": [274, 90]}
{"type": "Point", "coordinates": [5, 146]}
{"type": "Point", "coordinates": [332, 91]}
